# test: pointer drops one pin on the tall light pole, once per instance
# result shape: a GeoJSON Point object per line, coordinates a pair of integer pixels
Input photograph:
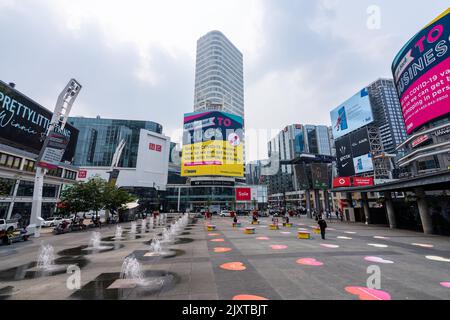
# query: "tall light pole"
{"type": "Point", "coordinates": [60, 116]}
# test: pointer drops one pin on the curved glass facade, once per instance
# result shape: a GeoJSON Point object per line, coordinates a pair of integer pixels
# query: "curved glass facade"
{"type": "Point", "coordinates": [99, 138]}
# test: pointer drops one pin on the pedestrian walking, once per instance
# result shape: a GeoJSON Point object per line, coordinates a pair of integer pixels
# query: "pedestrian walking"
{"type": "Point", "coordinates": [323, 226]}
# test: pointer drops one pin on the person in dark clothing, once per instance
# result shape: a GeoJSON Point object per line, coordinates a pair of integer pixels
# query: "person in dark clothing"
{"type": "Point", "coordinates": [235, 220]}
{"type": "Point", "coordinates": [323, 226]}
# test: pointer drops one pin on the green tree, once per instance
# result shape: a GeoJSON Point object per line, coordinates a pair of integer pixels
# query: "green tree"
{"type": "Point", "coordinates": [94, 195]}
{"type": "Point", "coordinates": [114, 198]}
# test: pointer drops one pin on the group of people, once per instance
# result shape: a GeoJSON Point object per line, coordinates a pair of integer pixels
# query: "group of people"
{"type": "Point", "coordinates": [328, 214]}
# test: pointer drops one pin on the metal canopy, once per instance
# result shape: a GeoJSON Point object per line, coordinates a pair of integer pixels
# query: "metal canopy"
{"type": "Point", "coordinates": [432, 181]}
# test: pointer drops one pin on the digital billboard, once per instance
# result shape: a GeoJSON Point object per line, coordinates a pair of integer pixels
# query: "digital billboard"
{"type": "Point", "coordinates": [422, 76]}
{"type": "Point", "coordinates": [344, 157]}
{"type": "Point", "coordinates": [363, 163]}
{"type": "Point", "coordinates": [302, 177]}
{"type": "Point", "coordinates": [360, 142]}
{"type": "Point", "coordinates": [24, 123]}
{"type": "Point", "coordinates": [319, 173]}
{"type": "Point", "coordinates": [353, 114]}
{"type": "Point", "coordinates": [213, 145]}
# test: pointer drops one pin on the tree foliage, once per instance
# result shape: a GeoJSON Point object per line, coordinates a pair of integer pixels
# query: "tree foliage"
{"type": "Point", "coordinates": [94, 195]}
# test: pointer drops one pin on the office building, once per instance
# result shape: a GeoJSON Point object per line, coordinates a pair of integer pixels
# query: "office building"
{"type": "Point", "coordinates": [297, 145]}
{"type": "Point", "coordinates": [219, 75]}
{"type": "Point", "coordinates": [387, 113]}
{"type": "Point", "coordinates": [99, 138]}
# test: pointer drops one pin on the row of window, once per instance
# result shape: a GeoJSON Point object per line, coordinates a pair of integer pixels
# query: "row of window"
{"type": "Point", "coordinates": [26, 189]}
{"type": "Point", "coordinates": [13, 162]}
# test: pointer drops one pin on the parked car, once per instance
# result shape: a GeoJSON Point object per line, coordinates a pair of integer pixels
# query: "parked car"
{"type": "Point", "coordinates": [52, 222]}
{"type": "Point", "coordinates": [8, 225]}
{"type": "Point", "coordinates": [225, 213]}
{"type": "Point", "coordinates": [91, 214]}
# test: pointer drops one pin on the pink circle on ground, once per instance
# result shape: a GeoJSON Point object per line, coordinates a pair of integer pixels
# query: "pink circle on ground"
{"type": "Point", "coordinates": [213, 234]}
{"type": "Point", "coordinates": [330, 246]}
{"type": "Point", "coordinates": [364, 293]}
{"type": "Point", "coordinates": [262, 238]}
{"type": "Point", "coordinates": [217, 240]}
{"type": "Point", "coordinates": [278, 247]}
{"type": "Point", "coordinates": [310, 262]}
{"type": "Point", "coordinates": [378, 260]}
{"type": "Point", "coordinates": [248, 297]}
{"type": "Point", "coordinates": [445, 284]}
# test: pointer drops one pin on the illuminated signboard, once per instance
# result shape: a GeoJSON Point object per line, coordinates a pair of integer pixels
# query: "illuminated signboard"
{"type": "Point", "coordinates": [213, 145]}
{"type": "Point", "coordinates": [353, 114]}
{"type": "Point", "coordinates": [422, 76]}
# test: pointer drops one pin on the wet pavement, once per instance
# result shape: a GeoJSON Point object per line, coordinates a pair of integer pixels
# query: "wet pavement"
{"type": "Point", "coordinates": [227, 263]}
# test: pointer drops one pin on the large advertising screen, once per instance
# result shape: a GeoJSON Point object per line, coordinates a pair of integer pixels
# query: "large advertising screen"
{"type": "Point", "coordinates": [363, 163]}
{"type": "Point", "coordinates": [422, 74]}
{"type": "Point", "coordinates": [24, 123]}
{"type": "Point", "coordinates": [353, 114]}
{"type": "Point", "coordinates": [302, 177]}
{"type": "Point", "coordinates": [319, 174]}
{"type": "Point", "coordinates": [360, 142]}
{"type": "Point", "coordinates": [213, 145]}
{"type": "Point", "coordinates": [344, 157]}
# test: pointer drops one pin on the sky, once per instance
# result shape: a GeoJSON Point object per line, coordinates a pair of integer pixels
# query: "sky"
{"type": "Point", "coordinates": [136, 58]}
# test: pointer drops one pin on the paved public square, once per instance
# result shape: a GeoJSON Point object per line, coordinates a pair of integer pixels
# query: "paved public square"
{"type": "Point", "coordinates": [229, 264]}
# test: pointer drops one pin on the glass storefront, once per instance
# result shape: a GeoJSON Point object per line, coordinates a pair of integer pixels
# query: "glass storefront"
{"type": "Point", "coordinates": [4, 207]}
{"type": "Point", "coordinates": [99, 138]}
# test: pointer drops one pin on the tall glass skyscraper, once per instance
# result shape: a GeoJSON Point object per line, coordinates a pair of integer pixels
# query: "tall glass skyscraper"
{"type": "Point", "coordinates": [388, 113]}
{"type": "Point", "coordinates": [219, 75]}
{"type": "Point", "coordinates": [99, 138]}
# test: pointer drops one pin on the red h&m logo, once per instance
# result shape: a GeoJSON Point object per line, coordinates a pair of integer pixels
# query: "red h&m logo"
{"type": "Point", "coordinates": [155, 147]}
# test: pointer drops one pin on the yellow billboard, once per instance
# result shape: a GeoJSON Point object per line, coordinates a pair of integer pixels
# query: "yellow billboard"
{"type": "Point", "coordinates": [213, 145]}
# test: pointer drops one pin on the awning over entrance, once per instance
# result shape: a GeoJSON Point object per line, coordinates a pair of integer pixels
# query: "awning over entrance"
{"type": "Point", "coordinates": [432, 181]}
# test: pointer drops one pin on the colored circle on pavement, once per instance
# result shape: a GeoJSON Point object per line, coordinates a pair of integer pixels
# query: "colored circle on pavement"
{"type": "Point", "coordinates": [233, 266]}
{"type": "Point", "coordinates": [364, 293]}
{"type": "Point", "coordinates": [248, 297]}
{"type": "Point", "coordinates": [222, 250]}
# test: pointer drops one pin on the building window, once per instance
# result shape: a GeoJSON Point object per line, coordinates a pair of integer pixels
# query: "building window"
{"type": "Point", "coordinates": [55, 172]}
{"type": "Point", "coordinates": [6, 187]}
{"type": "Point", "coordinates": [29, 165]}
{"type": "Point", "coordinates": [4, 208]}
{"type": "Point", "coordinates": [10, 161]}
{"type": "Point", "coordinates": [25, 189]}
{"type": "Point", "coordinates": [50, 191]}
{"type": "Point", "coordinates": [70, 175]}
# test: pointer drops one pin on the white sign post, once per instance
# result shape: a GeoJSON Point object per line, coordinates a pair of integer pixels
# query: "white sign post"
{"type": "Point", "coordinates": [59, 120]}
